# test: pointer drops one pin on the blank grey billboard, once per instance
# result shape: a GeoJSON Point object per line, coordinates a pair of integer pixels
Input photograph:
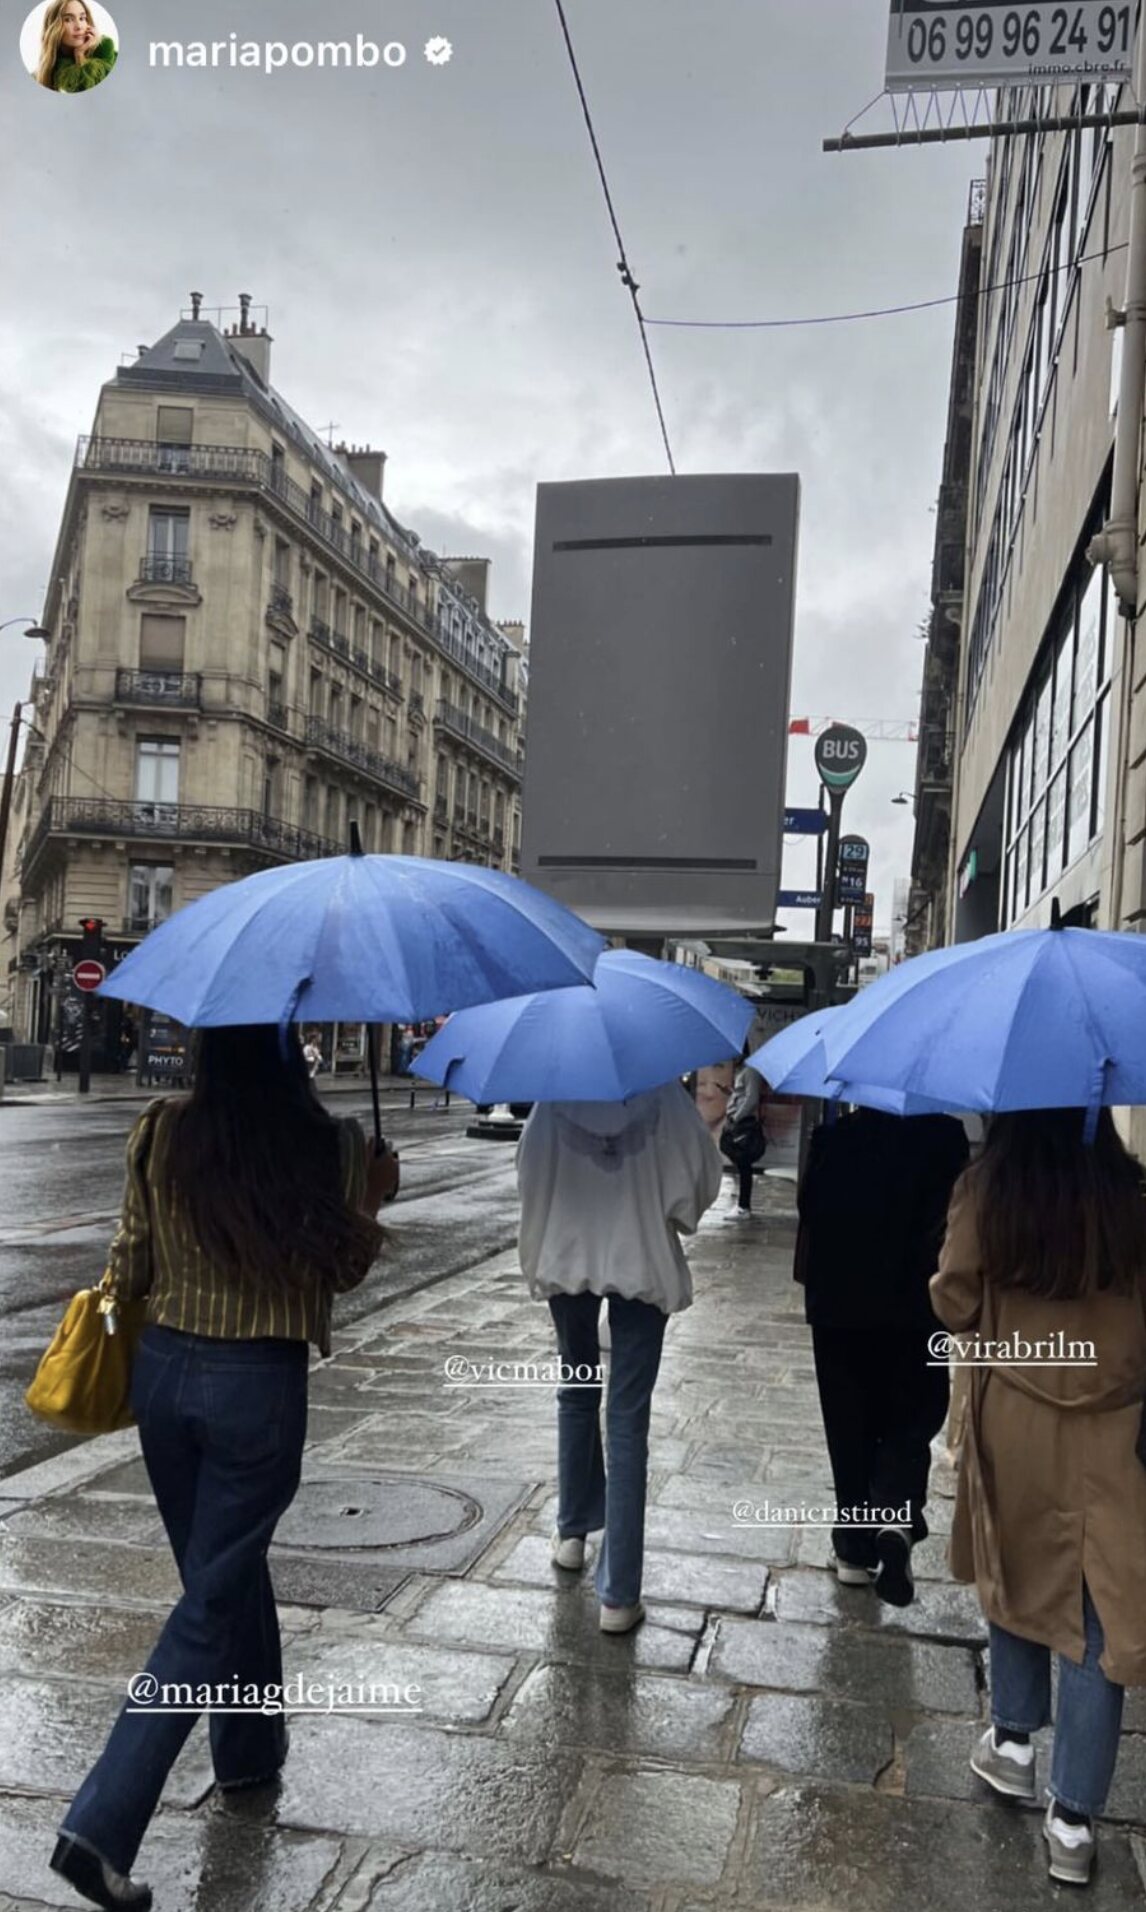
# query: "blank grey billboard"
{"type": "Point", "coordinates": [657, 729]}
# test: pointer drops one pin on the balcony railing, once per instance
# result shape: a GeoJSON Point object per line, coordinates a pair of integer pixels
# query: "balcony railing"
{"type": "Point", "coordinates": [277, 715]}
{"type": "Point", "coordinates": [141, 925]}
{"type": "Point", "coordinates": [323, 736]}
{"type": "Point", "coordinates": [154, 569]}
{"type": "Point", "coordinates": [175, 690]}
{"type": "Point", "coordinates": [175, 822]}
{"type": "Point", "coordinates": [491, 746]}
{"type": "Point", "coordinates": [282, 601]}
{"type": "Point", "coordinates": [234, 464]}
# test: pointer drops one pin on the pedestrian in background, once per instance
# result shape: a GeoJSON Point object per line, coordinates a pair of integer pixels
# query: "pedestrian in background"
{"type": "Point", "coordinates": [247, 1208]}
{"type": "Point", "coordinates": [872, 1206]}
{"type": "Point", "coordinates": [742, 1138]}
{"type": "Point", "coordinates": [312, 1053]}
{"type": "Point", "coordinates": [1047, 1238]}
{"type": "Point", "coordinates": [607, 1190]}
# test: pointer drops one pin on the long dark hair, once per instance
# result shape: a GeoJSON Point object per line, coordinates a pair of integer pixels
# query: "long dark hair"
{"type": "Point", "coordinates": [253, 1163]}
{"type": "Point", "coordinates": [1058, 1216]}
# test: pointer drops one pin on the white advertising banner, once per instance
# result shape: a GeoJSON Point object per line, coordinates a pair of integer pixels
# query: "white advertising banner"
{"type": "Point", "coordinates": [937, 45]}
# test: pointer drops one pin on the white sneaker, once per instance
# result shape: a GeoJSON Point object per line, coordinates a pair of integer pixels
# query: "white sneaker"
{"type": "Point", "coordinates": [569, 1554]}
{"type": "Point", "coordinates": [849, 1576]}
{"type": "Point", "coordinates": [622, 1619]}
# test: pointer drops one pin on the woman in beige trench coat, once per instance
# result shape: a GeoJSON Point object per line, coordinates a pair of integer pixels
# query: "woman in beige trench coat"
{"type": "Point", "coordinates": [1042, 1281]}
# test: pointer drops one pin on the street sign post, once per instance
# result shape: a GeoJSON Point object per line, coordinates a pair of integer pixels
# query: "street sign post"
{"type": "Point", "coordinates": [88, 975]}
{"type": "Point", "coordinates": [941, 45]}
{"type": "Point", "coordinates": [862, 926]}
{"type": "Point", "coordinates": [805, 822]}
{"type": "Point", "coordinates": [841, 753]}
{"type": "Point", "coordinates": [851, 875]}
{"type": "Point", "coordinates": [799, 899]}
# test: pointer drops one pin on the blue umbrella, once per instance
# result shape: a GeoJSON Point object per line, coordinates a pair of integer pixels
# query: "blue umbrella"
{"type": "Point", "coordinates": [640, 1024]}
{"type": "Point", "coordinates": [1027, 1019]}
{"type": "Point", "coordinates": [355, 939]}
{"type": "Point", "coordinates": [794, 1063]}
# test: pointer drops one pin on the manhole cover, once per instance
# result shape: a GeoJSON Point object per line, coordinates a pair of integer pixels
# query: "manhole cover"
{"type": "Point", "coordinates": [340, 1512]}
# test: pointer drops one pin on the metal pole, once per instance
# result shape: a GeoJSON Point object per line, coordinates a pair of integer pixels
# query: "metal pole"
{"type": "Point", "coordinates": [9, 778]}
{"type": "Point", "coordinates": [86, 1044]}
{"type": "Point", "coordinates": [996, 129]}
{"type": "Point", "coordinates": [831, 861]}
{"type": "Point", "coordinates": [820, 848]}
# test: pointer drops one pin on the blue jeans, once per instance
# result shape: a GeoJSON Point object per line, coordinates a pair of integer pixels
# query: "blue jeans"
{"type": "Point", "coordinates": [585, 1501]}
{"type": "Point", "coordinates": [1089, 1714]}
{"type": "Point", "coordinates": [222, 1426]}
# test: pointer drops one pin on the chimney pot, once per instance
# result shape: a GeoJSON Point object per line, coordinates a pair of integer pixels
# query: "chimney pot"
{"type": "Point", "coordinates": [245, 311]}
{"type": "Point", "coordinates": [196, 304]}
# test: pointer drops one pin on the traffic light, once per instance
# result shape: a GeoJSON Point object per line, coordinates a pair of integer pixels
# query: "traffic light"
{"type": "Point", "coordinates": [92, 947]}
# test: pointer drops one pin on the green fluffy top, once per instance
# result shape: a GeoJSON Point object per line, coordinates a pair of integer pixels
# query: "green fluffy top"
{"type": "Point", "coordinates": [70, 78]}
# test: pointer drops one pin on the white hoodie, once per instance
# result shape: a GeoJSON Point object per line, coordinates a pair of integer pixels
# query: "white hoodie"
{"type": "Point", "coordinates": [607, 1189]}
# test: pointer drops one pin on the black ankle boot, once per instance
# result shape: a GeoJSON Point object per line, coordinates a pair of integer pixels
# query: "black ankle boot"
{"type": "Point", "coordinates": [93, 1878]}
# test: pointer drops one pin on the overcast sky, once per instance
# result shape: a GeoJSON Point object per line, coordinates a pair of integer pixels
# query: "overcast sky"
{"type": "Point", "coordinates": [435, 255]}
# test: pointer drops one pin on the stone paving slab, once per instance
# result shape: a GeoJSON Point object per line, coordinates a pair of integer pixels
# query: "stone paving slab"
{"type": "Point", "coordinates": [439, 1882]}
{"type": "Point", "coordinates": [897, 1674]}
{"type": "Point", "coordinates": [820, 1737]}
{"type": "Point", "coordinates": [938, 1612]}
{"type": "Point", "coordinates": [734, 1586]}
{"type": "Point", "coordinates": [817, 1848]}
{"type": "Point", "coordinates": [562, 1625]}
{"type": "Point", "coordinates": [454, 1687]}
{"type": "Point", "coordinates": [76, 1640]}
{"type": "Point", "coordinates": [214, 1862]}
{"type": "Point", "coordinates": [52, 1732]}
{"type": "Point", "coordinates": [419, 1786]}
{"type": "Point", "coordinates": [660, 1828]}
{"type": "Point", "coordinates": [625, 1712]}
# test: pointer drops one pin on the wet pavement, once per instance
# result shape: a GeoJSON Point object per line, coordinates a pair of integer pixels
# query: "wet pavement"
{"type": "Point", "coordinates": [766, 1739]}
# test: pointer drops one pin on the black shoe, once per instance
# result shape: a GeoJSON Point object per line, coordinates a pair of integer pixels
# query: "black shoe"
{"type": "Point", "coordinates": [93, 1878]}
{"type": "Point", "coordinates": [893, 1579]}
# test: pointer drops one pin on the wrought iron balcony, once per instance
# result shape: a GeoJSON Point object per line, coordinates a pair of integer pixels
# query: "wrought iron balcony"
{"type": "Point", "coordinates": [174, 690]}
{"type": "Point", "coordinates": [156, 569]}
{"type": "Point", "coordinates": [141, 925]}
{"type": "Point", "coordinates": [336, 743]}
{"type": "Point", "coordinates": [282, 601]}
{"type": "Point", "coordinates": [175, 823]}
{"type": "Point", "coordinates": [277, 715]}
{"type": "Point", "coordinates": [459, 725]}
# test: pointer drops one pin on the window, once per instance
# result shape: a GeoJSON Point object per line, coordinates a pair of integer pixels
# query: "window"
{"type": "Point", "coordinates": [157, 778]}
{"type": "Point", "coordinates": [310, 804]}
{"type": "Point", "coordinates": [190, 350]}
{"type": "Point", "coordinates": [272, 786]}
{"type": "Point", "coordinates": [150, 888]}
{"type": "Point", "coordinates": [173, 429]}
{"type": "Point", "coordinates": [168, 535]}
{"type": "Point", "coordinates": [334, 815]}
{"type": "Point", "coordinates": [316, 693]}
{"type": "Point", "coordinates": [282, 564]}
{"type": "Point", "coordinates": [278, 468]}
{"type": "Point", "coordinates": [161, 643]}
{"type": "Point", "coordinates": [314, 509]}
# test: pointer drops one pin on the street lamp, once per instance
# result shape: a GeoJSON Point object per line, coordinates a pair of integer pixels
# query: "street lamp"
{"type": "Point", "coordinates": [905, 796]}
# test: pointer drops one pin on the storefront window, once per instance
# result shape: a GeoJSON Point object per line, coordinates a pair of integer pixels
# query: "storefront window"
{"type": "Point", "coordinates": [1081, 800]}
{"type": "Point", "coordinates": [1056, 826]}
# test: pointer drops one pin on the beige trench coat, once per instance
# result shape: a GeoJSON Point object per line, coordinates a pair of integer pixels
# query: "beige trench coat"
{"type": "Point", "coordinates": [1051, 1492]}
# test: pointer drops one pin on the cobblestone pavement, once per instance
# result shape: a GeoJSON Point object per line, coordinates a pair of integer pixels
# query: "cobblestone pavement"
{"type": "Point", "coordinates": [767, 1739]}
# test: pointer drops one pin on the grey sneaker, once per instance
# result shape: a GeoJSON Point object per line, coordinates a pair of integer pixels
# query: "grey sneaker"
{"type": "Point", "coordinates": [1070, 1849]}
{"type": "Point", "coordinates": [569, 1554]}
{"type": "Point", "coordinates": [622, 1619]}
{"type": "Point", "coordinates": [1009, 1769]}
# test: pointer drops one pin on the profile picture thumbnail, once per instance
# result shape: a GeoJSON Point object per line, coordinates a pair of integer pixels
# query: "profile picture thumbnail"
{"type": "Point", "coordinates": [69, 46]}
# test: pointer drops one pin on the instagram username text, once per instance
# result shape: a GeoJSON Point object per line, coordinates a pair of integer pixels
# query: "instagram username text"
{"type": "Point", "coordinates": [277, 56]}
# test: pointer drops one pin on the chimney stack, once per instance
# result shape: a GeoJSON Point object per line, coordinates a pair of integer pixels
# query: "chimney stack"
{"type": "Point", "coordinates": [196, 305]}
{"type": "Point", "coordinates": [253, 343]}
{"type": "Point", "coordinates": [367, 465]}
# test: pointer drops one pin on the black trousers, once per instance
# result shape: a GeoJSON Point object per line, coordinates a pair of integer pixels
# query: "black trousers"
{"type": "Point", "coordinates": [881, 1405]}
{"type": "Point", "coordinates": [744, 1177]}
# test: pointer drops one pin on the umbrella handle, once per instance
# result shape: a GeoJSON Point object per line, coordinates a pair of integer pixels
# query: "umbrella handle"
{"type": "Point", "coordinates": [374, 1095]}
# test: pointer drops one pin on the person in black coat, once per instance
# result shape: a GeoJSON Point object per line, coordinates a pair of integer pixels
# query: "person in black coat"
{"type": "Point", "coordinates": [873, 1204]}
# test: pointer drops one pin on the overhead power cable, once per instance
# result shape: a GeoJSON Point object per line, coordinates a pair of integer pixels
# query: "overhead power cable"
{"type": "Point", "coordinates": [623, 267]}
{"type": "Point", "coordinates": [876, 312]}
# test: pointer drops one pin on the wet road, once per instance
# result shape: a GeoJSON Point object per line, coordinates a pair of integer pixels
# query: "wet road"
{"type": "Point", "coordinates": [61, 1177]}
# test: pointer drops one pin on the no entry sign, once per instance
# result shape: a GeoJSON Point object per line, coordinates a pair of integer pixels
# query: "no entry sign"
{"type": "Point", "coordinates": [88, 975]}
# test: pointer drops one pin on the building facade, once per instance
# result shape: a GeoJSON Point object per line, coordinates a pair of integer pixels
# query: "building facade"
{"type": "Point", "coordinates": [1038, 789]}
{"type": "Point", "coordinates": [248, 655]}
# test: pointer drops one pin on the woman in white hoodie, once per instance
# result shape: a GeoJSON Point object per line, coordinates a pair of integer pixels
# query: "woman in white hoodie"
{"type": "Point", "coordinates": [607, 1189]}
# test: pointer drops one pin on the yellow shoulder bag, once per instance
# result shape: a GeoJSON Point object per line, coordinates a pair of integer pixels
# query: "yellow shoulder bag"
{"type": "Point", "coordinates": [83, 1382]}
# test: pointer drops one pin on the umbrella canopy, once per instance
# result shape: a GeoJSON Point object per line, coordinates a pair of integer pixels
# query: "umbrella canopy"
{"type": "Point", "coordinates": [640, 1024]}
{"type": "Point", "coordinates": [794, 1063]}
{"type": "Point", "coordinates": [356, 939]}
{"type": "Point", "coordinates": [1027, 1019]}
